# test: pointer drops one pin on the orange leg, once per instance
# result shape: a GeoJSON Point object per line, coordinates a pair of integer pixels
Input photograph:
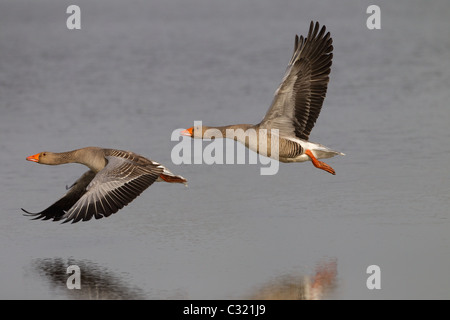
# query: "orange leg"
{"type": "Point", "coordinates": [172, 179]}
{"type": "Point", "coordinates": [319, 164]}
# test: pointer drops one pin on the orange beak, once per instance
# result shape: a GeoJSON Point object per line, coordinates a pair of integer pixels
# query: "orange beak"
{"type": "Point", "coordinates": [187, 132]}
{"type": "Point", "coordinates": [34, 158]}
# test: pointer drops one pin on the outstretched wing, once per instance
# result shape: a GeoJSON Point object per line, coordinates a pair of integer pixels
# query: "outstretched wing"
{"type": "Point", "coordinates": [299, 98]}
{"type": "Point", "coordinates": [59, 208]}
{"type": "Point", "coordinates": [115, 186]}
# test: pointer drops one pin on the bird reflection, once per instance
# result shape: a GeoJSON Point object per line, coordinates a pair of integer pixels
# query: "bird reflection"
{"type": "Point", "coordinates": [294, 287]}
{"type": "Point", "coordinates": [97, 283]}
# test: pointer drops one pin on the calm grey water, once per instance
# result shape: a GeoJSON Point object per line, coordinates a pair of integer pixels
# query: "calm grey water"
{"type": "Point", "coordinates": [138, 70]}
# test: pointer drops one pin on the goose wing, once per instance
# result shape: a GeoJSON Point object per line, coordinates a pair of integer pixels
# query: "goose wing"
{"type": "Point", "coordinates": [115, 186]}
{"type": "Point", "coordinates": [299, 98]}
{"type": "Point", "coordinates": [59, 208]}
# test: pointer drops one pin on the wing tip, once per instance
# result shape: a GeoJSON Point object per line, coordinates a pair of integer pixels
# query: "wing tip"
{"type": "Point", "coordinates": [39, 216]}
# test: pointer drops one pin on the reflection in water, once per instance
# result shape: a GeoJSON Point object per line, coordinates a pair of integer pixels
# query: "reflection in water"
{"type": "Point", "coordinates": [292, 287]}
{"type": "Point", "coordinates": [97, 283]}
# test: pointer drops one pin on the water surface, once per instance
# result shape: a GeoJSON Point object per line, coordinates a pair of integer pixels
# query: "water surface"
{"type": "Point", "coordinates": [136, 71]}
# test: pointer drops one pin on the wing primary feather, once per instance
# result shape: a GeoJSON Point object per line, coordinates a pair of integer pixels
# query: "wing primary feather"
{"type": "Point", "coordinates": [299, 98]}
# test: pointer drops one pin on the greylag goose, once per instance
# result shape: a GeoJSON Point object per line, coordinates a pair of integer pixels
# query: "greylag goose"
{"type": "Point", "coordinates": [114, 179]}
{"type": "Point", "coordinates": [294, 110]}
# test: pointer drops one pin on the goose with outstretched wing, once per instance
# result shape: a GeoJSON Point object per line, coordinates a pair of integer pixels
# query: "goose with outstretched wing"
{"type": "Point", "coordinates": [114, 179]}
{"type": "Point", "coordinates": [295, 108]}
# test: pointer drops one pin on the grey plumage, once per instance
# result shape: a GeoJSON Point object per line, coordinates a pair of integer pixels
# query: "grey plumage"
{"type": "Point", "coordinates": [297, 103]}
{"type": "Point", "coordinates": [104, 189]}
{"type": "Point", "coordinates": [299, 98]}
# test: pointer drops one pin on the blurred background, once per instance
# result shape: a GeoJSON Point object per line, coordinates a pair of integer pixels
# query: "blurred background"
{"type": "Point", "coordinates": [138, 70]}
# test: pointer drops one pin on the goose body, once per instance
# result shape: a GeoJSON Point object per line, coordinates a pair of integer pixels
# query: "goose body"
{"type": "Point", "coordinates": [295, 108]}
{"type": "Point", "coordinates": [114, 179]}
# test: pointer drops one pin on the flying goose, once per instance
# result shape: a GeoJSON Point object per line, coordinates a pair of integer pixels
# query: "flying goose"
{"type": "Point", "coordinates": [114, 179]}
{"type": "Point", "coordinates": [294, 110]}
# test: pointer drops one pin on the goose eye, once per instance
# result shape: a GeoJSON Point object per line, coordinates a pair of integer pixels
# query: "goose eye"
{"type": "Point", "coordinates": [44, 154]}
